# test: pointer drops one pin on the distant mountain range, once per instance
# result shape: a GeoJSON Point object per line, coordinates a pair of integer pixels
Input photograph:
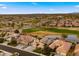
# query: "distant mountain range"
{"type": "Point", "coordinates": [42, 13]}
{"type": "Point", "coordinates": [74, 13]}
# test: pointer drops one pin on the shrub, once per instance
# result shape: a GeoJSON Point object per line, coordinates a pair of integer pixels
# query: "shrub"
{"type": "Point", "coordinates": [13, 43]}
{"type": "Point", "coordinates": [38, 50]}
{"type": "Point", "coordinates": [2, 40]}
{"type": "Point", "coordinates": [64, 35]}
{"type": "Point", "coordinates": [46, 50]}
{"type": "Point", "coordinates": [16, 31]}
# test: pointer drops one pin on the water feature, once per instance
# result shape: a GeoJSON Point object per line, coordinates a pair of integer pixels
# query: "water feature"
{"type": "Point", "coordinates": [72, 38]}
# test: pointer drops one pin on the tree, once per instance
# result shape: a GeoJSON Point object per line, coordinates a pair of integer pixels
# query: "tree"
{"type": "Point", "coordinates": [13, 24]}
{"type": "Point", "coordinates": [16, 31]}
{"type": "Point", "coordinates": [47, 51]}
{"type": "Point", "coordinates": [2, 34]}
{"type": "Point", "coordinates": [13, 42]}
{"type": "Point", "coordinates": [64, 35]}
{"type": "Point", "coordinates": [38, 50]}
{"type": "Point", "coordinates": [2, 40]}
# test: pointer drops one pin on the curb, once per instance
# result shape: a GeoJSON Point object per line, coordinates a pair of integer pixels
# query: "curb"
{"type": "Point", "coordinates": [24, 50]}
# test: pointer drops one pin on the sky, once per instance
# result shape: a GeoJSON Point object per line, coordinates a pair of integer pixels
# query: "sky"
{"type": "Point", "coordinates": [38, 7]}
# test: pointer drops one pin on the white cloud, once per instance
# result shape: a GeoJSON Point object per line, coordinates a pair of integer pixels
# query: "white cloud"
{"type": "Point", "coordinates": [3, 6]}
{"type": "Point", "coordinates": [51, 9]}
{"type": "Point", "coordinates": [77, 6]}
{"type": "Point", "coordinates": [41, 12]}
{"type": "Point", "coordinates": [34, 3]}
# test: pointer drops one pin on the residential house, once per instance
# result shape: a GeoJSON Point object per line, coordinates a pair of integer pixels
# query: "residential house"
{"type": "Point", "coordinates": [25, 39]}
{"type": "Point", "coordinates": [49, 39]}
{"type": "Point", "coordinates": [62, 47]}
{"type": "Point", "coordinates": [76, 50]}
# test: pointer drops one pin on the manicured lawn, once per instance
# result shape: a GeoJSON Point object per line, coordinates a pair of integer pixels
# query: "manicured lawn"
{"type": "Point", "coordinates": [63, 31]}
{"type": "Point", "coordinates": [30, 30]}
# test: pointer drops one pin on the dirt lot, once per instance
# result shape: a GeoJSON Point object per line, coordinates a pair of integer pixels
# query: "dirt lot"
{"type": "Point", "coordinates": [69, 28]}
{"type": "Point", "coordinates": [43, 33]}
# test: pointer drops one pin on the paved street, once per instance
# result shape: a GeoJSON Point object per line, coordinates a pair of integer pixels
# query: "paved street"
{"type": "Point", "coordinates": [12, 50]}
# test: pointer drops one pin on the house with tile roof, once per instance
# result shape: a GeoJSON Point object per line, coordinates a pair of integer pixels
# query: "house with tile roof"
{"type": "Point", "coordinates": [76, 50]}
{"type": "Point", "coordinates": [62, 47]}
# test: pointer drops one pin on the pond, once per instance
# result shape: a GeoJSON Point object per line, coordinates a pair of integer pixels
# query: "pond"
{"type": "Point", "coordinates": [73, 38]}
